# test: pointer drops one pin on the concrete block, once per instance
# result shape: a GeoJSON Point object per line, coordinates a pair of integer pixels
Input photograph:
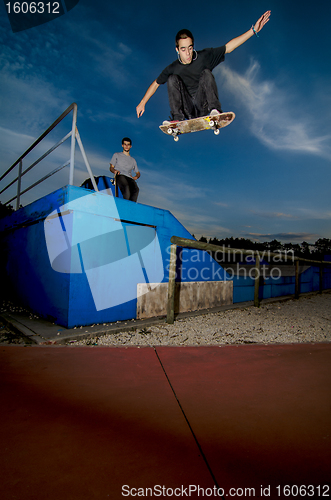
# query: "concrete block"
{"type": "Point", "coordinates": [192, 296]}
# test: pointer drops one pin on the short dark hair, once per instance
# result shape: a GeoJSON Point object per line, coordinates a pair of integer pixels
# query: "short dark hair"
{"type": "Point", "coordinates": [126, 139]}
{"type": "Point", "coordinates": [183, 34]}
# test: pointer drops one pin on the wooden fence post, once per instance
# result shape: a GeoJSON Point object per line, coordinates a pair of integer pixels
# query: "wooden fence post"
{"type": "Point", "coordinates": [297, 287]}
{"type": "Point", "coordinates": [257, 282]}
{"type": "Point", "coordinates": [321, 279]}
{"type": "Point", "coordinates": [171, 285]}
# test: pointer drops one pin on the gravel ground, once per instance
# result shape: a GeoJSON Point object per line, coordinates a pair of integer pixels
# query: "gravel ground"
{"type": "Point", "coordinates": [9, 337]}
{"type": "Point", "coordinates": [294, 321]}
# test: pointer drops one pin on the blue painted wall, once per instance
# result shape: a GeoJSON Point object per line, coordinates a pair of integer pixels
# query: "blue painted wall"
{"type": "Point", "coordinates": [75, 256]}
{"type": "Point", "coordinates": [243, 287]}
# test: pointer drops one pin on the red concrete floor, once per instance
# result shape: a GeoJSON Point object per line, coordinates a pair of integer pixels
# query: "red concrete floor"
{"type": "Point", "coordinates": [81, 422]}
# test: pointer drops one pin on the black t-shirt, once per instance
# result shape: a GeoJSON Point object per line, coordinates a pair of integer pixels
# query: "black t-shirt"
{"type": "Point", "coordinates": [190, 73]}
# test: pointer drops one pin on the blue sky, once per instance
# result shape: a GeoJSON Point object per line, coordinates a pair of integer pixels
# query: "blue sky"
{"type": "Point", "coordinates": [266, 176]}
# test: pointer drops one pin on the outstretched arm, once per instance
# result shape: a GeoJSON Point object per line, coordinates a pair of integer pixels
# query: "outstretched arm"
{"type": "Point", "coordinates": [150, 91]}
{"type": "Point", "coordinates": [236, 42]}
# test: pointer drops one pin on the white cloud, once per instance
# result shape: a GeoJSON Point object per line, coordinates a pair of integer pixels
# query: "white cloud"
{"type": "Point", "coordinates": [273, 215]}
{"type": "Point", "coordinates": [31, 102]}
{"type": "Point", "coordinates": [274, 120]}
{"type": "Point", "coordinates": [40, 78]}
{"type": "Point", "coordinates": [104, 56]}
{"type": "Point", "coordinates": [298, 213]}
{"type": "Point", "coordinates": [314, 214]}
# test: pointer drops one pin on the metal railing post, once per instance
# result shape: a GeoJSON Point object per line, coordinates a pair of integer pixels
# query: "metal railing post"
{"type": "Point", "coordinates": [72, 151]}
{"type": "Point", "coordinates": [171, 285]}
{"type": "Point", "coordinates": [82, 150]}
{"type": "Point", "coordinates": [20, 167]}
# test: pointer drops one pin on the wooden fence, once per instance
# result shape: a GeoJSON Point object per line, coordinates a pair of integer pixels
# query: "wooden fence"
{"type": "Point", "coordinates": [186, 243]}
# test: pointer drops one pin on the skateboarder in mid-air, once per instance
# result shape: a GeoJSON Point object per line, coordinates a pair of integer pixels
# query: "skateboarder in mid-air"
{"type": "Point", "coordinates": [192, 88]}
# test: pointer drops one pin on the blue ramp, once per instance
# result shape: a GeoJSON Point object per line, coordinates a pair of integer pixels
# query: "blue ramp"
{"type": "Point", "coordinates": [76, 256]}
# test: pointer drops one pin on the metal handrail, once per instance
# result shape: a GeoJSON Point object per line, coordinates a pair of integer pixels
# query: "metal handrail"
{"type": "Point", "coordinates": [34, 163]}
{"type": "Point", "coordinates": [74, 134]}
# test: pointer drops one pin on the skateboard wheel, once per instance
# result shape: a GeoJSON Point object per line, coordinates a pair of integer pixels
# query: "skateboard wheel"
{"type": "Point", "coordinates": [211, 123]}
{"type": "Point", "coordinates": [176, 138]}
{"type": "Point", "coordinates": [217, 131]}
{"type": "Point", "coordinates": [169, 130]}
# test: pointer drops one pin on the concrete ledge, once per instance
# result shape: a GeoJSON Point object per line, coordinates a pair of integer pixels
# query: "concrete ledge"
{"type": "Point", "coordinates": [20, 328]}
{"type": "Point", "coordinates": [191, 296]}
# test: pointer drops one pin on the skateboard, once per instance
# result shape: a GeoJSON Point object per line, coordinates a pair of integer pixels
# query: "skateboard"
{"type": "Point", "coordinates": [214, 123]}
{"type": "Point", "coordinates": [114, 183]}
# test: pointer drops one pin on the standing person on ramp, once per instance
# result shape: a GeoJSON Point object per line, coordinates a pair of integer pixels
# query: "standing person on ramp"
{"type": "Point", "coordinates": [192, 88]}
{"type": "Point", "coordinates": [122, 165]}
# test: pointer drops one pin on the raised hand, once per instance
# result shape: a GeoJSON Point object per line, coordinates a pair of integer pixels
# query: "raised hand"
{"type": "Point", "coordinates": [262, 21]}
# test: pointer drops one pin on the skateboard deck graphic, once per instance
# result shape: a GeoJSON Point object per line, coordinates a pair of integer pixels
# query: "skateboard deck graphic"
{"type": "Point", "coordinates": [215, 122]}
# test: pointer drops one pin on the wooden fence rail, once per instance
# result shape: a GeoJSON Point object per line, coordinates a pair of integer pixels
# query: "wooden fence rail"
{"type": "Point", "coordinates": [198, 245]}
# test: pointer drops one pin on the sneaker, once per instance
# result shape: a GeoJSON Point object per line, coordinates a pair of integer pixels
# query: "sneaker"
{"type": "Point", "coordinates": [215, 112]}
{"type": "Point", "coordinates": [167, 122]}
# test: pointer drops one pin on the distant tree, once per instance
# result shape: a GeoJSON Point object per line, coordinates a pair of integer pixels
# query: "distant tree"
{"type": "Point", "coordinates": [322, 248]}
{"type": "Point", "coordinates": [305, 250]}
{"type": "Point", "coordinates": [294, 248]}
{"type": "Point", "coordinates": [215, 241]}
{"type": "Point", "coordinates": [318, 250]}
{"type": "Point", "coordinates": [274, 245]}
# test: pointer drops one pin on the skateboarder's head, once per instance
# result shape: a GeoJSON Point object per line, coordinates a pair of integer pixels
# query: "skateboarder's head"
{"type": "Point", "coordinates": [182, 35]}
{"type": "Point", "coordinates": [184, 46]}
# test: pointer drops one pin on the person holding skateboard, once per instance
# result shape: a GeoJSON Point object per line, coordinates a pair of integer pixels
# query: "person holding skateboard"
{"type": "Point", "coordinates": [122, 165]}
{"type": "Point", "coordinates": [192, 88]}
